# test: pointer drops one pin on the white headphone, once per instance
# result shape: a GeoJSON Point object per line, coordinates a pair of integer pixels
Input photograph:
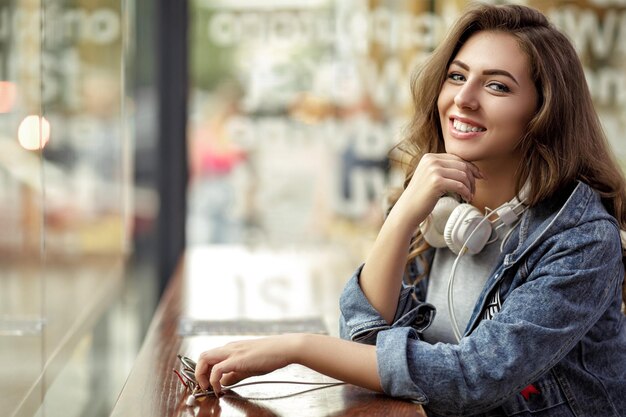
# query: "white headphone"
{"type": "Point", "coordinates": [464, 229]}
{"type": "Point", "coordinates": [461, 225]}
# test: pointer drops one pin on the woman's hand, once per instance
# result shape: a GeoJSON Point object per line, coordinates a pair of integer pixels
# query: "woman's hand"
{"type": "Point", "coordinates": [435, 175]}
{"type": "Point", "coordinates": [235, 361]}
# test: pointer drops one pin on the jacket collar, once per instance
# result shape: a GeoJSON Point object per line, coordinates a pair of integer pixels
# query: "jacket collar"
{"type": "Point", "coordinates": [551, 216]}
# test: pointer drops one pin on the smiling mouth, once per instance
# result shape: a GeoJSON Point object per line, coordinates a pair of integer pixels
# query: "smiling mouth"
{"type": "Point", "coordinates": [466, 127]}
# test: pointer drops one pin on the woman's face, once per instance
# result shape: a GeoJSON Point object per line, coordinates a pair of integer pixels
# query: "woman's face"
{"type": "Point", "coordinates": [487, 100]}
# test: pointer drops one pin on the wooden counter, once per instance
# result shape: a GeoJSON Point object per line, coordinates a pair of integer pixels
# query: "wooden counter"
{"type": "Point", "coordinates": [233, 284]}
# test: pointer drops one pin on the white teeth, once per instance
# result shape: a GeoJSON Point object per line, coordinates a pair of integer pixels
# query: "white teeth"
{"type": "Point", "coordinates": [464, 127]}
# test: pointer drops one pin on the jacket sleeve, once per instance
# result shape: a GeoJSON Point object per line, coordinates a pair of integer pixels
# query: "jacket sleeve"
{"type": "Point", "coordinates": [556, 300]}
{"type": "Point", "coordinates": [361, 322]}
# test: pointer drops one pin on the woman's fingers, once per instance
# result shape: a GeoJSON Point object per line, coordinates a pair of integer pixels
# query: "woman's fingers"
{"type": "Point", "coordinates": [211, 366]}
{"type": "Point", "coordinates": [451, 157]}
{"type": "Point", "coordinates": [217, 375]}
{"type": "Point", "coordinates": [458, 181]}
{"type": "Point", "coordinates": [435, 175]}
{"type": "Point", "coordinates": [223, 376]}
{"type": "Point", "coordinates": [235, 361]}
{"type": "Point", "coordinates": [217, 372]}
{"type": "Point", "coordinates": [452, 161]}
{"type": "Point", "coordinates": [232, 378]}
{"type": "Point", "coordinates": [202, 370]}
{"type": "Point", "coordinates": [460, 186]}
{"type": "Point", "coordinates": [448, 173]}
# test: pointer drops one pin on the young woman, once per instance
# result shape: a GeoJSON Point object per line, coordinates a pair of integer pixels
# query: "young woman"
{"type": "Point", "coordinates": [504, 121]}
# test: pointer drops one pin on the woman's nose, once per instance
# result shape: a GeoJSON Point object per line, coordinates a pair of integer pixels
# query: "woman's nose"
{"type": "Point", "coordinates": [466, 98]}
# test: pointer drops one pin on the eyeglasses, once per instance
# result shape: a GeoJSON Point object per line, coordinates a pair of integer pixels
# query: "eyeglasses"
{"type": "Point", "coordinates": [188, 378]}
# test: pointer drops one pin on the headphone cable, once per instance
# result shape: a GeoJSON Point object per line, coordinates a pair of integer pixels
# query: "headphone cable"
{"type": "Point", "coordinates": [453, 320]}
{"type": "Point", "coordinates": [317, 386]}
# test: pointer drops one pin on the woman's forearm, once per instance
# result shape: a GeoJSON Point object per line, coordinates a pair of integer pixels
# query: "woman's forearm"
{"type": "Point", "coordinates": [381, 276]}
{"type": "Point", "coordinates": [347, 361]}
{"type": "Point", "coordinates": [434, 176]}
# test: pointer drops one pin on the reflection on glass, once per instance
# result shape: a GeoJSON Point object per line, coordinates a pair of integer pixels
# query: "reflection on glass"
{"type": "Point", "coordinates": [302, 101]}
{"type": "Point", "coordinates": [21, 283]}
{"type": "Point", "coordinates": [62, 207]}
{"type": "Point", "coordinates": [8, 94]}
{"type": "Point", "coordinates": [33, 132]}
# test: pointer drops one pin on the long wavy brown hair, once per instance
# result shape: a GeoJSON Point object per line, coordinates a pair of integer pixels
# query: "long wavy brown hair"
{"type": "Point", "coordinates": [564, 141]}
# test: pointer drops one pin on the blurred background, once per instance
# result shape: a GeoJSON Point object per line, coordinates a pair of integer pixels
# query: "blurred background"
{"type": "Point", "coordinates": [134, 130]}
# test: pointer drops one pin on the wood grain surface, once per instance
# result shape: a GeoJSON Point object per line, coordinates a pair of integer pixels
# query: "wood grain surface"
{"type": "Point", "coordinates": [153, 389]}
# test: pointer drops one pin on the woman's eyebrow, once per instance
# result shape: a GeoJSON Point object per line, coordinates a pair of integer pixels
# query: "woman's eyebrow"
{"type": "Point", "coordinates": [487, 71]}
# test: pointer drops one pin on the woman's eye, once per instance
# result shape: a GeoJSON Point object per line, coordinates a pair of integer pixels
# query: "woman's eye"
{"type": "Point", "coordinates": [499, 87]}
{"type": "Point", "coordinates": [455, 76]}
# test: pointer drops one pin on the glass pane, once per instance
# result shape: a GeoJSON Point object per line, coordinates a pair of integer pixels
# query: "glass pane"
{"type": "Point", "coordinates": [87, 186]}
{"type": "Point", "coordinates": [67, 336]}
{"type": "Point", "coordinates": [22, 135]}
{"type": "Point", "coordinates": [294, 107]}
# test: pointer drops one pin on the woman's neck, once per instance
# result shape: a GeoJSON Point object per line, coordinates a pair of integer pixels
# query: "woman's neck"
{"type": "Point", "coordinates": [497, 188]}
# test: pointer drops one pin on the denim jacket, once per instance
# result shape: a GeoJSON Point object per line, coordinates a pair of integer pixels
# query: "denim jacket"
{"type": "Point", "coordinates": [556, 347]}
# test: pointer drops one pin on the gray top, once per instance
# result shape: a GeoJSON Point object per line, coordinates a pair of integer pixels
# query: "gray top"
{"type": "Point", "coordinates": [470, 277]}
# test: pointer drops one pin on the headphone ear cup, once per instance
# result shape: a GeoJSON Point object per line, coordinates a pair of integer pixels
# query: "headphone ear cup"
{"type": "Point", "coordinates": [461, 224]}
{"type": "Point", "coordinates": [434, 225]}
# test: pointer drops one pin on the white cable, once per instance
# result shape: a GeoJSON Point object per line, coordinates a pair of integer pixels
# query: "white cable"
{"type": "Point", "coordinates": [453, 320]}
{"type": "Point", "coordinates": [510, 231]}
{"type": "Point", "coordinates": [455, 326]}
{"type": "Point", "coordinates": [205, 393]}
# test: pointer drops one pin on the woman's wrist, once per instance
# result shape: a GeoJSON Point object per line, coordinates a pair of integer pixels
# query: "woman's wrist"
{"type": "Point", "coordinates": [402, 222]}
{"type": "Point", "coordinates": [337, 358]}
{"type": "Point", "coordinates": [294, 345]}
{"type": "Point", "coordinates": [407, 213]}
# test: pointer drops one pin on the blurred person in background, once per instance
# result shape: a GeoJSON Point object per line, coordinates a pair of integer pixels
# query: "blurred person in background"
{"type": "Point", "coordinates": [213, 157]}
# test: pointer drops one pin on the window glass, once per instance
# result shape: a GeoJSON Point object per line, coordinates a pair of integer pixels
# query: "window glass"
{"type": "Point", "coordinates": [295, 105]}
{"type": "Point", "coordinates": [65, 169]}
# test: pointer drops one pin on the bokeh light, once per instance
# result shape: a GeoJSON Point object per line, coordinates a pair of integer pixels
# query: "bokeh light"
{"type": "Point", "coordinates": [8, 94]}
{"type": "Point", "coordinates": [34, 132]}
